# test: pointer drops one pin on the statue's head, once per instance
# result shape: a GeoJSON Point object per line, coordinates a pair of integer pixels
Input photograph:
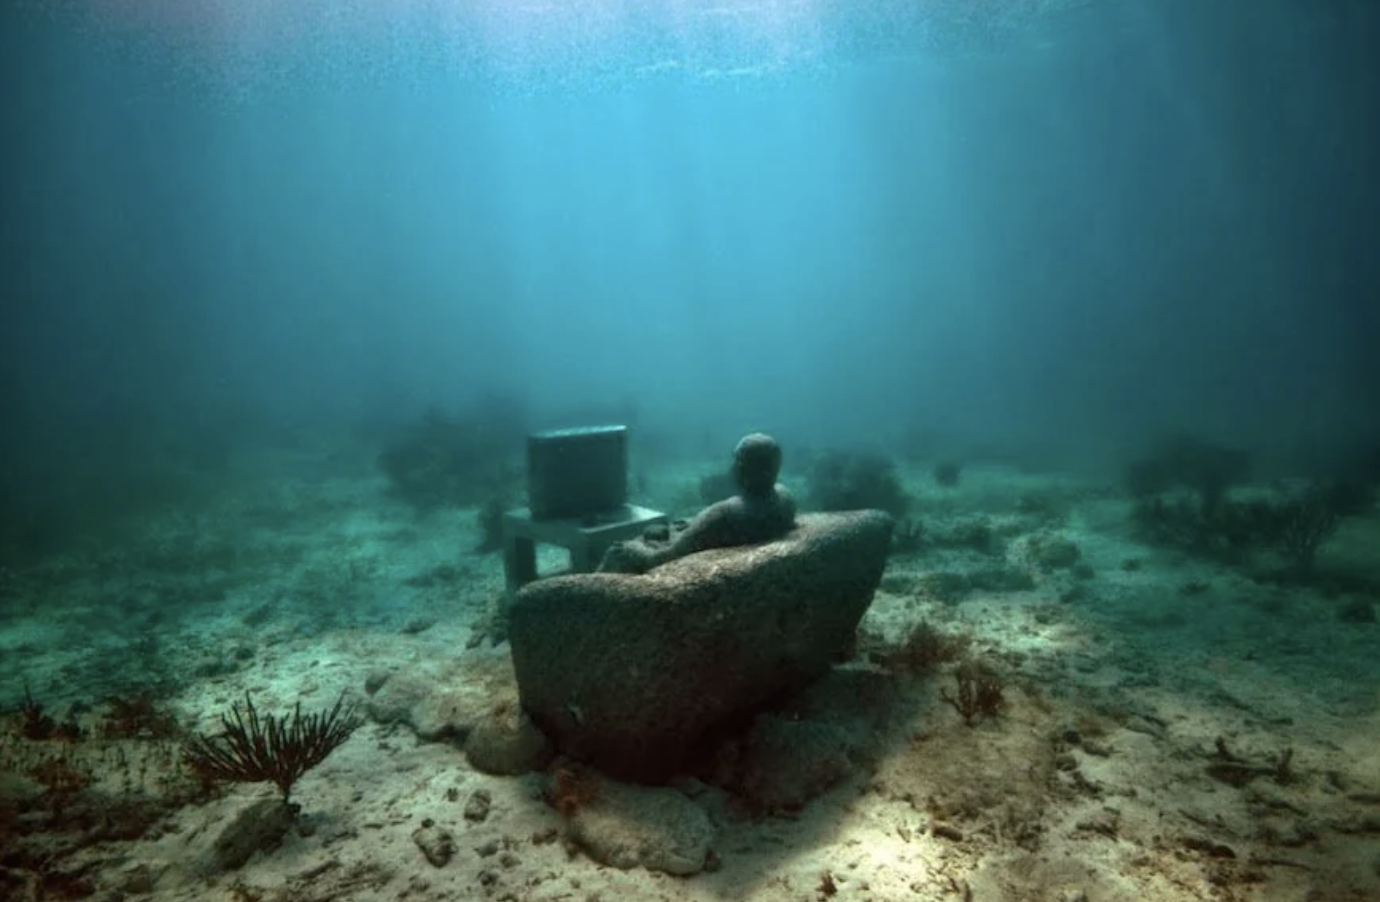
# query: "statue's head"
{"type": "Point", "coordinates": [756, 463]}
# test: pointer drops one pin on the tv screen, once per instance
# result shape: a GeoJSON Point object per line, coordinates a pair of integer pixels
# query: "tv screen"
{"type": "Point", "coordinates": [577, 472]}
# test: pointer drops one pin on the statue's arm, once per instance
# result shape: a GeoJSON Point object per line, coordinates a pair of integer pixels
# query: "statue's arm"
{"type": "Point", "coordinates": [638, 556]}
{"type": "Point", "coordinates": [705, 531]}
{"type": "Point", "coordinates": [728, 523]}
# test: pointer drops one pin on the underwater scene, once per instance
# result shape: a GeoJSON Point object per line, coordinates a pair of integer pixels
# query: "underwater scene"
{"type": "Point", "coordinates": [707, 450]}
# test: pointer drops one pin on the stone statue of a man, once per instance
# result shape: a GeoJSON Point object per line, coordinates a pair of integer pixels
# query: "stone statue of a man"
{"type": "Point", "coordinates": [761, 512]}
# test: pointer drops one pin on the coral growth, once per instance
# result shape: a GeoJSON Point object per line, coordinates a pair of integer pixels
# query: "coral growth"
{"type": "Point", "coordinates": [454, 459]}
{"type": "Point", "coordinates": [37, 725]}
{"type": "Point", "coordinates": [925, 648]}
{"type": "Point", "coordinates": [137, 717]}
{"type": "Point", "coordinates": [978, 691]}
{"type": "Point", "coordinates": [70, 791]}
{"type": "Point", "coordinates": [1192, 462]}
{"type": "Point", "coordinates": [572, 787]}
{"type": "Point", "coordinates": [840, 481]}
{"type": "Point", "coordinates": [1307, 520]}
{"type": "Point", "coordinates": [1293, 525]}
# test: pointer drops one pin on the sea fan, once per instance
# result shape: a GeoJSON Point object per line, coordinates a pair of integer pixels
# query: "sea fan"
{"type": "Point", "coordinates": [278, 750]}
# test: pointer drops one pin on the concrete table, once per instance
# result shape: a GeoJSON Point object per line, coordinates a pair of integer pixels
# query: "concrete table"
{"type": "Point", "coordinates": [586, 538]}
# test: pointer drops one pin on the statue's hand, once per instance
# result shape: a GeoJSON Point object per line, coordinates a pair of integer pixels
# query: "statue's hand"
{"type": "Point", "coordinates": [786, 502]}
{"type": "Point", "coordinates": [626, 557]}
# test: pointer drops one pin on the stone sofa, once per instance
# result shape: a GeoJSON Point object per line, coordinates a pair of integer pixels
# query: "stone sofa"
{"type": "Point", "coordinates": [633, 673]}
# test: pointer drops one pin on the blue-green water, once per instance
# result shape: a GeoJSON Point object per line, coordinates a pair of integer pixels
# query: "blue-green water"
{"type": "Point", "coordinates": [1066, 223]}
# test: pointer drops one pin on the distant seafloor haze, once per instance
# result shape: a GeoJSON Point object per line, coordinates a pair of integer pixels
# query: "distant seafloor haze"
{"type": "Point", "coordinates": [1061, 224]}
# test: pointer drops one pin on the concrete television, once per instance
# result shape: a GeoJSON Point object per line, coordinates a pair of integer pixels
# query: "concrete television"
{"type": "Point", "coordinates": [577, 473]}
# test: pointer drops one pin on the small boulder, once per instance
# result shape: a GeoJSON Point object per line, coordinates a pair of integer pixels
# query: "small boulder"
{"type": "Point", "coordinates": [436, 843]}
{"type": "Point", "coordinates": [505, 742]}
{"type": "Point", "coordinates": [413, 699]}
{"type": "Point", "coordinates": [656, 828]}
{"type": "Point", "coordinates": [440, 700]}
{"type": "Point", "coordinates": [629, 672]}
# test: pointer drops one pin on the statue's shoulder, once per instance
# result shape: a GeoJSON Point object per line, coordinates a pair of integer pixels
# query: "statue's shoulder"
{"type": "Point", "coordinates": [721, 512]}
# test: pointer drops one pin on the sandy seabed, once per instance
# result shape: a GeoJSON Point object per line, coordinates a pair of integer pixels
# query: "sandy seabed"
{"type": "Point", "coordinates": [1173, 728]}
